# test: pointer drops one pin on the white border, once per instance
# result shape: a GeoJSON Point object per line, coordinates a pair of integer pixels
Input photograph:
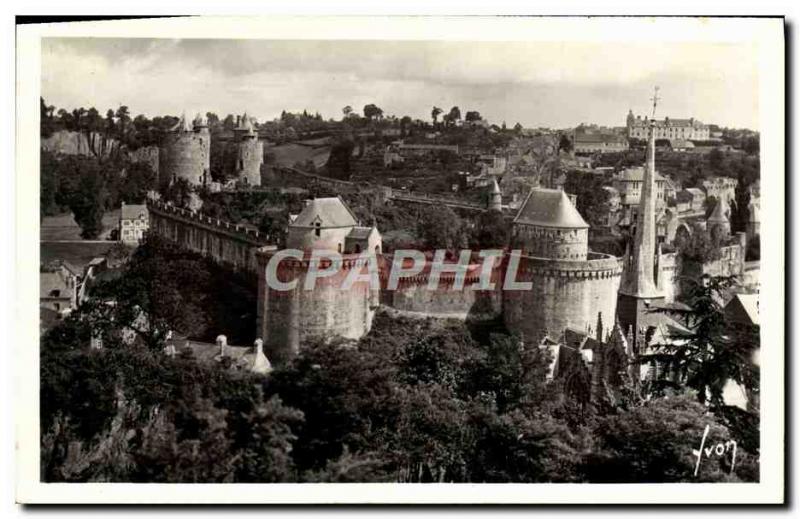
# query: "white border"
{"type": "Point", "coordinates": [766, 33]}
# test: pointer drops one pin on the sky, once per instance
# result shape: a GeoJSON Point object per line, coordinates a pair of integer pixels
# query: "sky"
{"type": "Point", "coordinates": [539, 84]}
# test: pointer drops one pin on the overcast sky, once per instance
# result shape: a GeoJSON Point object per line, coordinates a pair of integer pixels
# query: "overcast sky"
{"type": "Point", "coordinates": [538, 84]}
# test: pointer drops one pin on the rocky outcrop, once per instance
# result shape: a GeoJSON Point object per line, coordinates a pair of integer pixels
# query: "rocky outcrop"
{"type": "Point", "coordinates": [94, 144]}
{"type": "Point", "coordinates": [78, 143]}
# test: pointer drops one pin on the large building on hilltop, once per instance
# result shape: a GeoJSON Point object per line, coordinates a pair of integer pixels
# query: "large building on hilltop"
{"type": "Point", "coordinates": [186, 152]}
{"type": "Point", "coordinates": [570, 285]}
{"type": "Point", "coordinates": [686, 129]}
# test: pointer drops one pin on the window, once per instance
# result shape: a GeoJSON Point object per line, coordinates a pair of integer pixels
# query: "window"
{"type": "Point", "coordinates": [317, 230]}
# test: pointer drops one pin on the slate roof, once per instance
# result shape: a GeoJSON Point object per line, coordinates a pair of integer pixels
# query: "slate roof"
{"type": "Point", "coordinates": [719, 213]}
{"type": "Point", "coordinates": [743, 308]}
{"type": "Point", "coordinates": [550, 208]}
{"type": "Point", "coordinates": [360, 233]}
{"type": "Point", "coordinates": [330, 212]}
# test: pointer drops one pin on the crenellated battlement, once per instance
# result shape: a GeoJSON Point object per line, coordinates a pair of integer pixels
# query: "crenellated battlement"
{"type": "Point", "coordinates": [596, 266]}
{"type": "Point", "coordinates": [187, 216]}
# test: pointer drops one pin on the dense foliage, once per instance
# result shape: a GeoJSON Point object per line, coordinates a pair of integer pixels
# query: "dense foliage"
{"type": "Point", "coordinates": [415, 400]}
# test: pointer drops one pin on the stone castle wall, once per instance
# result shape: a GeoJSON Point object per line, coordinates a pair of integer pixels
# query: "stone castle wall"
{"type": "Point", "coordinates": [564, 294]}
{"type": "Point", "coordinates": [287, 320]}
{"type": "Point", "coordinates": [186, 155]}
{"type": "Point", "coordinates": [228, 244]}
{"type": "Point", "coordinates": [468, 302]}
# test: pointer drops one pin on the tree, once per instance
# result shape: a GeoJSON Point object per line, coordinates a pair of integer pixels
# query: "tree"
{"type": "Point", "coordinates": [751, 145]}
{"type": "Point", "coordinates": [47, 123]}
{"type": "Point", "coordinates": [472, 117]}
{"type": "Point", "coordinates": [452, 116]}
{"type": "Point", "coordinates": [491, 231]}
{"type": "Point", "coordinates": [372, 112]}
{"type": "Point", "coordinates": [713, 351]}
{"type": "Point", "coordinates": [518, 128]}
{"type": "Point", "coordinates": [440, 227]}
{"type": "Point", "coordinates": [592, 200]}
{"type": "Point", "coordinates": [716, 159]}
{"type": "Point", "coordinates": [435, 112]}
{"type": "Point", "coordinates": [565, 143]}
{"type": "Point", "coordinates": [124, 120]}
{"type": "Point", "coordinates": [347, 110]}
{"type": "Point", "coordinates": [88, 201]}
{"type": "Point", "coordinates": [648, 444]}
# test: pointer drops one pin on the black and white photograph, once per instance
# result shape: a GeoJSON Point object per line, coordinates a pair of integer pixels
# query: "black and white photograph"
{"type": "Point", "coordinates": [468, 260]}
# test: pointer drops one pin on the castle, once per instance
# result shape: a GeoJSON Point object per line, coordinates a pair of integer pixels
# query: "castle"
{"type": "Point", "coordinates": [560, 284]}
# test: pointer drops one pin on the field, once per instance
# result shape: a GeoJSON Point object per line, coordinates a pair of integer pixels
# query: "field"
{"type": "Point", "coordinates": [63, 227]}
{"type": "Point", "coordinates": [77, 253]}
{"type": "Point", "coordinates": [60, 239]}
{"type": "Point", "coordinates": [289, 154]}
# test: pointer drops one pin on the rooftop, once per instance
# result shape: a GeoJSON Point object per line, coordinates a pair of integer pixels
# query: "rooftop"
{"type": "Point", "coordinates": [636, 174]}
{"type": "Point", "coordinates": [550, 208]}
{"type": "Point", "coordinates": [720, 212]}
{"type": "Point", "coordinates": [328, 212]}
{"type": "Point", "coordinates": [743, 308]}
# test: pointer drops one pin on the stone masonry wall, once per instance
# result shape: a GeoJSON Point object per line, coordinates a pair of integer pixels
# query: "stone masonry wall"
{"type": "Point", "coordinates": [564, 294]}
{"type": "Point", "coordinates": [249, 157]}
{"type": "Point", "coordinates": [225, 243]}
{"type": "Point", "coordinates": [186, 155]}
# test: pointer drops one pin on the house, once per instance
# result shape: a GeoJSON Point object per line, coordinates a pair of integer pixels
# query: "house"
{"type": "Point", "coordinates": [58, 287]}
{"type": "Point", "coordinates": [629, 184]}
{"type": "Point", "coordinates": [133, 223]}
{"type": "Point", "coordinates": [493, 164]}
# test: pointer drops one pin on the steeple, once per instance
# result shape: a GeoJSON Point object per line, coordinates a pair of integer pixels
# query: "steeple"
{"type": "Point", "coordinates": [639, 270]}
{"type": "Point", "coordinates": [639, 288]}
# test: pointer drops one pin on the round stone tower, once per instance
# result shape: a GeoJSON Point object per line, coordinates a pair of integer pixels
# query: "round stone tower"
{"type": "Point", "coordinates": [186, 152]}
{"type": "Point", "coordinates": [249, 152]}
{"type": "Point", "coordinates": [568, 285]}
{"type": "Point", "coordinates": [288, 318]}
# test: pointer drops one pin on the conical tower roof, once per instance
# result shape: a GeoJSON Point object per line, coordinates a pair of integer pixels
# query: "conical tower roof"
{"type": "Point", "coordinates": [720, 213]}
{"type": "Point", "coordinates": [550, 208]}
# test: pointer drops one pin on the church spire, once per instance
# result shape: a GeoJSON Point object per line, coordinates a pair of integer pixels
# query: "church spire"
{"type": "Point", "coordinates": [639, 276]}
